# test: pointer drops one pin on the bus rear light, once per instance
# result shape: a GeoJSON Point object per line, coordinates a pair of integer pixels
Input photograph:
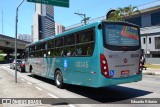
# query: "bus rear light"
{"type": "Point", "coordinates": [105, 73]}
{"type": "Point", "coordinates": [104, 66]}
{"type": "Point", "coordinates": [104, 62]}
{"type": "Point", "coordinates": [140, 65]}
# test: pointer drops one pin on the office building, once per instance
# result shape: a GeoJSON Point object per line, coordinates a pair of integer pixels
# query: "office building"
{"type": "Point", "coordinates": [43, 22]}
{"type": "Point", "coordinates": [59, 28]}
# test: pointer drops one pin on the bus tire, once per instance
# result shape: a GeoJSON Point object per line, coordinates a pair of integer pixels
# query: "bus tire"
{"type": "Point", "coordinates": [59, 79]}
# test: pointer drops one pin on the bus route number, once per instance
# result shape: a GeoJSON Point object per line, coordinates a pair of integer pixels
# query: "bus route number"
{"type": "Point", "coordinates": [81, 64]}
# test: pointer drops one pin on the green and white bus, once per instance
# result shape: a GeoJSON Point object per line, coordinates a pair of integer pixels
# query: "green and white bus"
{"type": "Point", "coordinates": [95, 55]}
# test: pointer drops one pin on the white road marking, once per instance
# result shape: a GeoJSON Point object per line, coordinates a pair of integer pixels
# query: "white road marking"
{"type": "Point", "coordinates": [22, 79]}
{"type": "Point", "coordinates": [38, 88]}
{"type": "Point", "coordinates": [52, 95]}
{"type": "Point", "coordinates": [12, 73]}
{"type": "Point", "coordinates": [70, 105]}
{"type": "Point", "coordinates": [29, 83]}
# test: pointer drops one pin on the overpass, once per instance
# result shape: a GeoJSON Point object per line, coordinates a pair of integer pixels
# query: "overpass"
{"type": "Point", "coordinates": [7, 44]}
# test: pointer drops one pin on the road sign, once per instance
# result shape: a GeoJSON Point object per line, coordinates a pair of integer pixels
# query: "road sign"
{"type": "Point", "coordinates": [61, 3]}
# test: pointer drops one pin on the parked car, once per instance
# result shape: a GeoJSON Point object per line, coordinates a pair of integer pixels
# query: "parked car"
{"type": "Point", "coordinates": [21, 66]}
{"type": "Point", "coordinates": [12, 65]}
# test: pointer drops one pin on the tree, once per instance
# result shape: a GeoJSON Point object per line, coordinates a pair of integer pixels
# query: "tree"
{"type": "Point", "coordinates": [130, 10]}
{"type": "Point", "coordinates": [122, 13]}
{"type": "Point", "coordinates": [115, 16]}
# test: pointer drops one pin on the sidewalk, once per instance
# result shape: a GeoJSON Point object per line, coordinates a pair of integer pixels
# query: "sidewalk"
{"type": "Point", "coordinates": [20, 90]}
{"type": "Point", "coordinates": [150, 71]}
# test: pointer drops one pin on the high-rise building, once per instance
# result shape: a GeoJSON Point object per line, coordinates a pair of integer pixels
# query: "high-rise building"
{"type": "Point", "coordinates": [24, 37]}
{"type": "Point", "coordinates": [59, 28]}
{"type": "Point", "coordinates": [43, 22]}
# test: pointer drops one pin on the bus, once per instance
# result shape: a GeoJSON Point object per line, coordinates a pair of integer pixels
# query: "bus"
{"type": "Point", "coordinates": [95, 55]}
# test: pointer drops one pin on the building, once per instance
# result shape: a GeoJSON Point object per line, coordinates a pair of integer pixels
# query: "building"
{"type": "Point", "coordinates": [24, 37]}
{"type": "Point", "coordinates": [149, 21]}
{"type": "Point", "coordinates": [59, 28]}
{"type": "Point", "coordinates": [43, 22]}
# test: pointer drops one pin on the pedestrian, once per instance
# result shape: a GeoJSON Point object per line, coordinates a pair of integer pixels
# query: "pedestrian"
{"type": "Point", "coordinates": [143, 61]}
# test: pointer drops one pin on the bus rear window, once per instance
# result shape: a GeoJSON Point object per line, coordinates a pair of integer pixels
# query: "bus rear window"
{"type": "Point", "coordinates": [121, 35]}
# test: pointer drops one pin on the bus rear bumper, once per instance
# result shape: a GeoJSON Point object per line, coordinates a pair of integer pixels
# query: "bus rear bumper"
{"type": "Point", "coordinates": [115, 81]}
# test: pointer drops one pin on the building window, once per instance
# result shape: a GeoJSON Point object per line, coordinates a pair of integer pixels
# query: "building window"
{"type": "Point", "coordinates": [144, 40]}
{"type": "Point", "coordinates": [149, 40]}
{"type": "Point", "coordinates": [135, 20]}
{"type": "Point", "coordinates": [157, 42]}
{"type": "Point", "coordinates": [155, 18]}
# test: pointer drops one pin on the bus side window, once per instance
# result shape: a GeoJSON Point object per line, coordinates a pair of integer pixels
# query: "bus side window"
{"type": "Point", "coordinates": [79, 51]}
{"type": "Point", "coordinates": [85, 42]}
{"type": "Point", "coordinates": [59, 52]}
{"type": "Point", "coordinates": [50, 53]}
{"type": "Point", "coordinates": [69, 51]}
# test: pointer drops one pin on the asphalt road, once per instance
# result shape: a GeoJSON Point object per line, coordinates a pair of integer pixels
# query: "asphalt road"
{"type": "Point", "coordinates": [74, 96]}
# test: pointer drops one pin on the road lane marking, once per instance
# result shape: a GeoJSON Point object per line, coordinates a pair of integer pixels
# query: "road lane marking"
{"type": "Point", "coordinates": [22, 79]}
{"type": "Point", "coordinates": [12, 73]}
{"type": "Point", "coordinates": [70, 105]}
{"type": "Point", "coordinates": [38, 88]}
{"type": "Point", "coordinates": [29, 83]}
{"type": "Point", "coordinates": [52, 95]}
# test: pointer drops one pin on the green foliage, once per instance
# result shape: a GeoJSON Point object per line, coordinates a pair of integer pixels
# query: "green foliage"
{"type": "Point", "coordinates": [122, 13]}
{"type": "Point", "coordinates": [1, 58]}
{"type": "Point", "coordinates": [1, 51]}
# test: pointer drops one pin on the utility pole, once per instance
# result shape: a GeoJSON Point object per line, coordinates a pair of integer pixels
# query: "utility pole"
{"type": "Point", "coordinates": [16, 41]}
{"type": "Point", "coordinates": [85, 19]}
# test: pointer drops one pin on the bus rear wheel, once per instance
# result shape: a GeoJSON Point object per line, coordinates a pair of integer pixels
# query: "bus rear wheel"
{"type": "Point", "coordinates": [59, 79]}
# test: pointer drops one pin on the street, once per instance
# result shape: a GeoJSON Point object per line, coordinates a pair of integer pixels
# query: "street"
{"type": "Point", "coordinates": [38, 87]}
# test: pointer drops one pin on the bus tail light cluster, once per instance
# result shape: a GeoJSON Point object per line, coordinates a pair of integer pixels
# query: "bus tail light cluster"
{"type": "Point", "coordinates": [140, 65]}
{"type": "Point", "coordinates": [104, 66]}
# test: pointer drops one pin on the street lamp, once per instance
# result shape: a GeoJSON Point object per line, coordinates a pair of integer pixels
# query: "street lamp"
{"type": "Point", "coordinates": [2, 19]}
{"type": "Point", "coordinates": [16, 41]}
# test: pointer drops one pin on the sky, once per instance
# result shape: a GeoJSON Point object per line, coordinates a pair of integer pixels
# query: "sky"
{"type": "Point", "coordinates": [65, 16]}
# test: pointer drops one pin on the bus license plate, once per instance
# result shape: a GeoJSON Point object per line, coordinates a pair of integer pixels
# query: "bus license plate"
{"type": "Point", "coordinates": [124, 72]}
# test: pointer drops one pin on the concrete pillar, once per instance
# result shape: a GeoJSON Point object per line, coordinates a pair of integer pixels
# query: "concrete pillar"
{"type": "Point", "coordinates": [21, 55]}
{"type": "Point", "coordinates": [8, 57]}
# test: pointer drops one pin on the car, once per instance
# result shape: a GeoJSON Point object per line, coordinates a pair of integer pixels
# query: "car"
{"type": "Point", "coordinates": [21, 66]}
{"type": "Point", "coordinates": [12, 65]}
